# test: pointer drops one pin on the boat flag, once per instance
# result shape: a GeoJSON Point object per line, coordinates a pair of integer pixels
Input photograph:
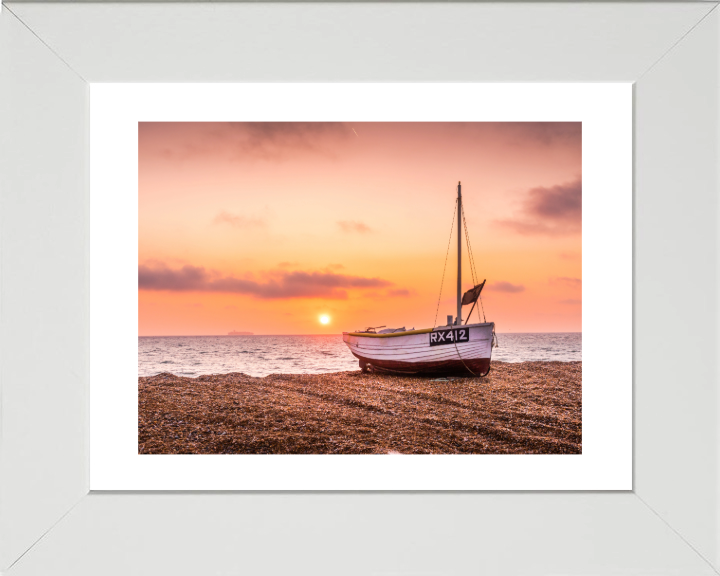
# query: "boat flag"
{"type": "Point", "coordinates": [473, 294]}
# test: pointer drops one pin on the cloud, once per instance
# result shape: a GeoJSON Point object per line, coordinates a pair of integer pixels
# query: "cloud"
{"type": "Point", "coordinates": [354, 226]}
{"type": "Point", "coordinates": [238, 221]}
{"type": "Point", "coordinates": [295, 134]}
{"type": "Point", "coordinates": [279, 284]}
{"type": "Point", "coordinates": [503, 286]}
{"type": "Point", "coordinates": [393, 293]}
{"type": "Point", "coordinates": [274, 141]}
{"type": "Point", "coordinates": [287, 264]}
{"type": "Point", "coordinates": [164, 262]}
{"type": "Point", "coordinates": [547, 134]}
{"type": "Point", "coordinates": [565, 281]}
{"type": "Point", "coordinates": [571, 301]}
{"type": "Point", "coordinates": [553, 211]}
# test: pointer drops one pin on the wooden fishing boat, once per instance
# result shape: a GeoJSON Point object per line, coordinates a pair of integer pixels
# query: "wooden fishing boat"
{"type": "Point", "coordinates": [454, 348]}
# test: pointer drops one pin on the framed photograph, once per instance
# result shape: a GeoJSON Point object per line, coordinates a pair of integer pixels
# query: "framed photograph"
{"type": "Point", "coordinates": [126, 171]}
{"type": "Point", "coordinates": [276, 202]}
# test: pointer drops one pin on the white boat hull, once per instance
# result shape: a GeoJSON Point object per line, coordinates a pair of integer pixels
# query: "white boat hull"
{"type": "Point", "coordinates": [442, 350]}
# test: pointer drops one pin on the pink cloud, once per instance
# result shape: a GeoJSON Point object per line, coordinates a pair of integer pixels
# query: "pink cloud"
{"type": "Point", "coordinates": [238, 221]}
{"type": "Point", "coordinates": [552, 211]}
{"type": "Point", "coordinates": [279, 285]}
{"type": "Point", "coordinates": [353, 226]}
{"type": "Point", "coordinates": [566, 281]}
{"type": "Point", "coordinates": [507, 287]}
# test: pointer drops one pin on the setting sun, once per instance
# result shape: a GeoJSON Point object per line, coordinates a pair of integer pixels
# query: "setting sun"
{"type": "Point", "coordinates": [324, 319]}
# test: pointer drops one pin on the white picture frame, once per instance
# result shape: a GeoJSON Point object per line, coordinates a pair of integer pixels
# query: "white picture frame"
{"type": "Point", "coordinates": [50, 523]}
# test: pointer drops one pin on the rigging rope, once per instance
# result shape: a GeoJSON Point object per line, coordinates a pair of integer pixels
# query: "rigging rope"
{"type": "Point", "coordinates": [473, 273]}
{"type": "Point", "coordinates": [468, 367]}
{"type": "Point", "coordinates": [472, 265]}
{"type": "Point", "coordinates": [475, 279]}
{"type": "Point", "coordinates": [470, 254]}
{"type": "Point", "coordinates": [461, 359]}
{"type": "Point", "coordinates": [452, 227]}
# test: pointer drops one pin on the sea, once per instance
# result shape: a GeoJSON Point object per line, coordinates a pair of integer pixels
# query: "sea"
{"type": "Point", "coordinates": [262, 355]}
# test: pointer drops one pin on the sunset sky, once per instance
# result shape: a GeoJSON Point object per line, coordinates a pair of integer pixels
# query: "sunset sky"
{"type": "Point", "coordinates": [265, 227]}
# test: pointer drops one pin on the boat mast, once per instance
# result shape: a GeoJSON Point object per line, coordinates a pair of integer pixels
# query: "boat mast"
{"type": "Point", "coordinates": [458, 320]}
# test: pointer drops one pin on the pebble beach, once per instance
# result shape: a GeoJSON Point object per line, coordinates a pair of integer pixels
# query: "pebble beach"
{"type": "Point", "coordinates": [519, 408]}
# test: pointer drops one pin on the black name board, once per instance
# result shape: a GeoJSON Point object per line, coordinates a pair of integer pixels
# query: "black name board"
{"type": "Point", "coordinates": [449, 336]}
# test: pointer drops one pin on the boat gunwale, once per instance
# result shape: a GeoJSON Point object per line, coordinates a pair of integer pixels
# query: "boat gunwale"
{"type": "Point", "coordinates": [410, 332]}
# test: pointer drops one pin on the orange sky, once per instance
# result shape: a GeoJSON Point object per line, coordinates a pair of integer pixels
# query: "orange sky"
{"type": "Point", "coordinates": [263, 227]}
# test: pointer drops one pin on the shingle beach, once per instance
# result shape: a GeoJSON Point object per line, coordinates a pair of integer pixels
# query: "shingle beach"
{"type": "Point", "coordinates": [519, 408]}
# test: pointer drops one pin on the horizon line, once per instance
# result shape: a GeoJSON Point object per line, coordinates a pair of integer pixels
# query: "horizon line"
{"type": "Point", "coordinates": [316, 334]}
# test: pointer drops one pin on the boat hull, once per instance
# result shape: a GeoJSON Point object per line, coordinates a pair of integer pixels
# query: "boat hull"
{"type": "Point", "coordinates": [415, 353]}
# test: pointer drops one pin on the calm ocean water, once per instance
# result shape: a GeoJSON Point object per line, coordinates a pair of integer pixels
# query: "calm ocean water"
{"type": "Point", "coordinates": [263, 355]}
